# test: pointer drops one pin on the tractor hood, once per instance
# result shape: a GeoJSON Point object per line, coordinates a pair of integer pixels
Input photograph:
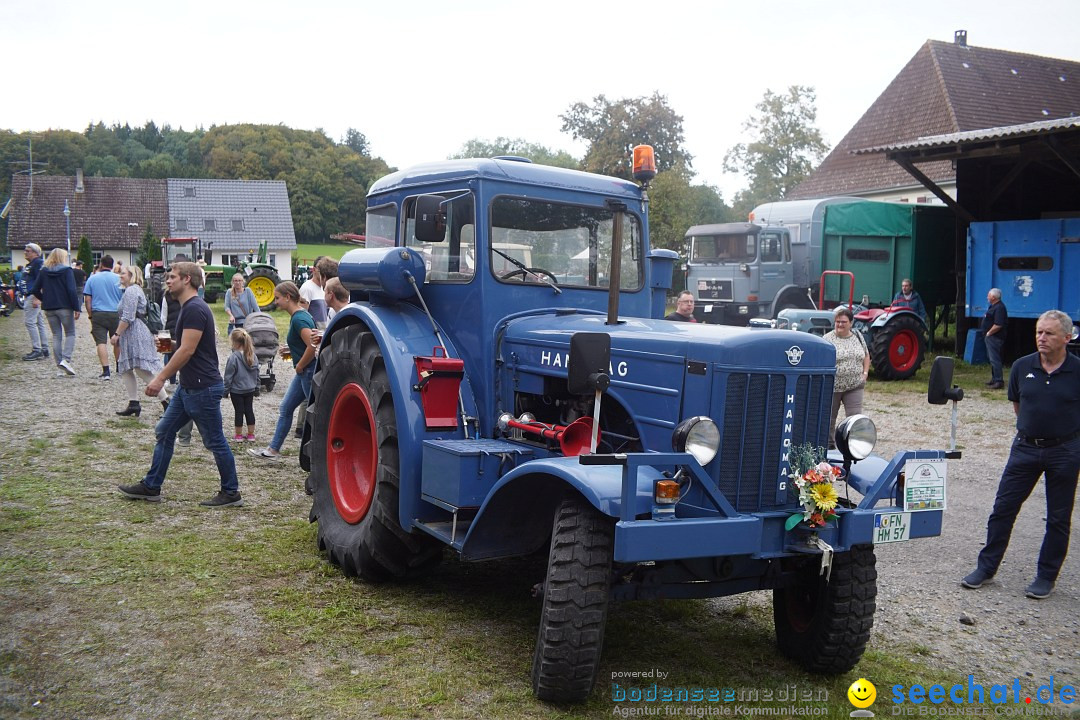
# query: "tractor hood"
{"type": "Point", "coordinates": [766, 390]}
{"type": "Point", "coordinates": [649, 352]}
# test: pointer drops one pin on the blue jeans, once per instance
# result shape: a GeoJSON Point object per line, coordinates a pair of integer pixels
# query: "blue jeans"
{"type": "Point", "coordinates": [62, 324]}
{"type": "Point", "coordinates": [204, 408]}
{"type": "Point", "coordinates": [297, 393]}
{"type": "Point", "coordinates": [994, 345]}
{"type": "Point", "coordinates": [1061, 465]}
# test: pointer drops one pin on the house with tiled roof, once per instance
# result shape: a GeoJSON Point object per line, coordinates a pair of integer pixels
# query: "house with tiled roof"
{"type": "Point", "coordinates": [231, 217]}
{"type": "Point", "coordinates": [113, 213]}
{"type": "Point", "coordinates": [945, 88]}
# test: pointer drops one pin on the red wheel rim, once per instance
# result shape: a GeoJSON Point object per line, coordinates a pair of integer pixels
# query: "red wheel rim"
{"type": "Point", "coordinates": [903, 350]}
{"type": "Point", "coordinates": [352, 453]}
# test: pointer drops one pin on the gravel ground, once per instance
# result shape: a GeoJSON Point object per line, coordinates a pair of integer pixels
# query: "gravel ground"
{"type": "Point", "coordinates": [995, 633]}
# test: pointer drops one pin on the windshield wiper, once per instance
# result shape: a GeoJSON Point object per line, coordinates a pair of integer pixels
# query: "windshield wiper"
{"type": "Point", "coordinates": [539, 273]}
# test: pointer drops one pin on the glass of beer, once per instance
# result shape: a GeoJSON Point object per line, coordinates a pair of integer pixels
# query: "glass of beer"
{"type": "Point", "coordinates": [164, 342]}
{"type": "Point", "coordinates": [286, 353]}
{"type": "Point", "coordinates": [316, 338]}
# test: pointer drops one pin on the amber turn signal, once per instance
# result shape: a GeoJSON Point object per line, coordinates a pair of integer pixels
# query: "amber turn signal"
{"type": "Point", "coordinates": [667, 492]}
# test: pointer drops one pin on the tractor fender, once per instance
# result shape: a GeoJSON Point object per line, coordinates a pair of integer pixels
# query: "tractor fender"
{"type": "Point", "coordinates": [515, 519]}
{"type": "Point", "coordinates": [865, 473]}
{"type": "Point", "coordinates": [885, 317]}
{"type": "Point", "coordinates": [403, 332]}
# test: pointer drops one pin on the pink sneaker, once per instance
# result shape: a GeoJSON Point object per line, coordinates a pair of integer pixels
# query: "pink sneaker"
{"type": "Point", "coordinates": [250, 438]}
{"type": "Point", "coordinates": [238, 438]}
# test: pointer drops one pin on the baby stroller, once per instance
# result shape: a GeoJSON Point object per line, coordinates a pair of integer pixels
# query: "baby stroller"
{"type": "Point", "coordinates": [264, 335]}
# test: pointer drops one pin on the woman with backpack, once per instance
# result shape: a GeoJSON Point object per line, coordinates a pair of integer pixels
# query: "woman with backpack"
{"type": "Point", "coordinates": [138, 350]}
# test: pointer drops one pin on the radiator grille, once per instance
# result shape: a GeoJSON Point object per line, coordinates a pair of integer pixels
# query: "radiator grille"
{"type": "Point", "coordinates": [753, 431]}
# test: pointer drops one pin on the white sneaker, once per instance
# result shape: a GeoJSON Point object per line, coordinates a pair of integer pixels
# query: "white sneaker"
{"type": "Point", "coordinates": [66, 367]}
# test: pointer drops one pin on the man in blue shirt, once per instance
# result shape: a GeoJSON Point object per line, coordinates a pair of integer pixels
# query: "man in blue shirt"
{"type": "Point", "coordinates": [103, 293]}
{"type": "Point", "coordinates": [198, 397]}
{"type": "Point", "coordinates": [908, 298]}
{"type": "Point", "coordinates": [994, 324]}
{"type": "Point", "coordinates": [1045, 391]}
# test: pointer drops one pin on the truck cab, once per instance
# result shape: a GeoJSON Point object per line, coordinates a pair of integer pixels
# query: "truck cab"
{"type": "Point", "coordinates": [735, 270]}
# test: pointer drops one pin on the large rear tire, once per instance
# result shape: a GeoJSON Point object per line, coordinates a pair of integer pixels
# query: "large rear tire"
{"type": "Point", "coordinates": [825, 625]}
{"type": "Point", "coordinates": [576, 597]}
{"type": "Point", "coordinates": [898, 348]}
{"type": "Point", "coordinates": [354, 464]}
{"type": "Point", "coordinates": [262, 282]}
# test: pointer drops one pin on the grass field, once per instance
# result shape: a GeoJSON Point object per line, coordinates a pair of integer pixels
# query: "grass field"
{"type": "Point", "coordinates": [306, 253]}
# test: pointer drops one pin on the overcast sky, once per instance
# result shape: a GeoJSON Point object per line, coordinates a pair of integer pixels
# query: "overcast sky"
{"type": "Point", "coordinates": [420, 78]}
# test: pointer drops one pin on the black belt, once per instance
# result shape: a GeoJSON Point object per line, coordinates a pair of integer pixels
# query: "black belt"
{"type": "Point", "coordinates": [1049, 442]}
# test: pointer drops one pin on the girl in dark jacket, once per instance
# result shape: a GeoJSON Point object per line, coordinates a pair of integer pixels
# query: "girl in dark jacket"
{"type": "Point", "coordinates": [55, 287]}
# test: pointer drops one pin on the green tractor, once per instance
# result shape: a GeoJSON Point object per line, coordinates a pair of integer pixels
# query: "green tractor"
{"type": "Point", "coordinates": [260, 275]}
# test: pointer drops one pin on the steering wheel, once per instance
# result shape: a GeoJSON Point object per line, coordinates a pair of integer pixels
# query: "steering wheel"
{"type": "Point", "coordinates": [525, 271]}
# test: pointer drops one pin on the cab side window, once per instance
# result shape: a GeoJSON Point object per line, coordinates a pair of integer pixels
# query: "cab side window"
{"type": "Point", "coordinates": [771, 250]}
{"type": "Point", "coordinates": [453, 259]}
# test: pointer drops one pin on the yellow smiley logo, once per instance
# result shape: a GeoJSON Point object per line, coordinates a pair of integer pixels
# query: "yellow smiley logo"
{"type": "Point", "coordinates": [862, 693]}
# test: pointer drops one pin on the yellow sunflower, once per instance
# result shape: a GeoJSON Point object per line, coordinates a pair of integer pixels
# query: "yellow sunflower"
{"type": "Point", "coordinates": [824, 496]}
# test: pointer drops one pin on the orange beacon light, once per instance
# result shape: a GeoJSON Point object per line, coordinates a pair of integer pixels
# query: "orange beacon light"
{"type": "Point", "coordinates": [644, 163]}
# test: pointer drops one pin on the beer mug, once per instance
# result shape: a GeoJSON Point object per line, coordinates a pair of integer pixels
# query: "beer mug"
{"type": "Point", "coordinates": [164, 342]}
{"type": "Point", "coordinates": [286, 352]}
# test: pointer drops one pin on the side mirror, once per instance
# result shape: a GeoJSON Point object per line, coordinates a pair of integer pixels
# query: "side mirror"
{"type": "Point", "coordinates": [590, 360]}
{"type": "Point", "coordinates": [941, 389]}
{"type": "Point", "coordinates": [430, 219]}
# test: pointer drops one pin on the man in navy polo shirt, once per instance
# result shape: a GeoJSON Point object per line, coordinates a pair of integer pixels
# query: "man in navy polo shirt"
{"type": "Point", "coordinates": [198, 398]}
{"type": "Point", "coordinates": [1045, 391]}
{"type": "Point", "coordinates": [994, 324]}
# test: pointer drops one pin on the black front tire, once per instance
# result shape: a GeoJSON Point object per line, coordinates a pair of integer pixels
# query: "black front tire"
{"type": "Point", "coordinates": [363, 540]}
{"type": "Point", "coordinates": [576, 597]}
{"type": "Point", "coordinates": [825, 625]}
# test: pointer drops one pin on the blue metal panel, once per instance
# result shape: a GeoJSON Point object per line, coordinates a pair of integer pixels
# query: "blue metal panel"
{"type": "Point", "coordinates": [645, 540]}
{"type": "Point", "coordinates": [1033, 262]}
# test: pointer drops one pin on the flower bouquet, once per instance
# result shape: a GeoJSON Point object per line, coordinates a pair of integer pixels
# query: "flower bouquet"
{"type": "Point", "coordinates": [813, 477]}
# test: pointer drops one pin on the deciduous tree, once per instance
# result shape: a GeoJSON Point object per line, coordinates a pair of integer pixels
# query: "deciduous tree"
{"type": "Point", "coordinates": [540, 154]}
{"type": "Point", "coordinates": [785, 148]}
{"type": "Point", "coordinates": [613, 128]}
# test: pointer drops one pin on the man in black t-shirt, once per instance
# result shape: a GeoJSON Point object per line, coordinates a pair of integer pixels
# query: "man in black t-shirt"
{"type": "Point", "coordinates": [197, 399]}
{"type": "Point", "coordinates": [80, 280]}
{"type": "Point", "coordinates": [684, 308]}
{"type": "Point", "coordinates": [1045, 391]}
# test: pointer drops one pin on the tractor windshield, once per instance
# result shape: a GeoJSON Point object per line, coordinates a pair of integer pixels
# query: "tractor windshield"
{"type": "Point", "coordinates": [570, 244]}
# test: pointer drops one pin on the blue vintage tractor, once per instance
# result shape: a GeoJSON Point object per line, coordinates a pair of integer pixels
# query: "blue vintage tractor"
{"type": "Point", "coordinates": [501, 384]}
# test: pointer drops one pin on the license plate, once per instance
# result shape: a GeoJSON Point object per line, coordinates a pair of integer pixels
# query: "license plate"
{"type": "Point", "coordinates": [891, 527]}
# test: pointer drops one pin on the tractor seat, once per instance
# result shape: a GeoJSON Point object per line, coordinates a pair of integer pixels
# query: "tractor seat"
{"type": "Point", "coordinates": [868, 316]}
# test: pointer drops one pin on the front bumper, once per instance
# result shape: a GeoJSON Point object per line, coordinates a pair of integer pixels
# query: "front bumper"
{"type": "Point", "coordinates": [727, 532]}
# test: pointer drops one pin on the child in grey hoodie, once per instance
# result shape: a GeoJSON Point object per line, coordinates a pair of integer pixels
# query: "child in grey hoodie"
{"type": "Point", "coordinates": [242, 382]}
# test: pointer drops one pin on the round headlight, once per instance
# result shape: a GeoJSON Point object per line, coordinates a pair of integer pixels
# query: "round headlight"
{"type": "Point", "coordinates": [856, 437]}
{"type": "Point", "coordinates": [698, 436]}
